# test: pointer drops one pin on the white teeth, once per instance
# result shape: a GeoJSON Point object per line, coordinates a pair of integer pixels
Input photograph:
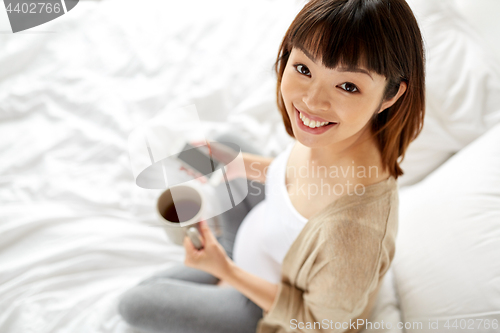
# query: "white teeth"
{"type": "Point", "coordinates": [311, 123]}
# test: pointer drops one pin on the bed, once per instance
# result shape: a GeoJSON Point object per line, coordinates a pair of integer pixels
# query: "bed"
{"type": "Point", "coordinates": [75, 229]}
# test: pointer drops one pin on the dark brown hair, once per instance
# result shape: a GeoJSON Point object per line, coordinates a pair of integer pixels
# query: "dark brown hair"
{"type": "Point", "coordinates": [382, 36]}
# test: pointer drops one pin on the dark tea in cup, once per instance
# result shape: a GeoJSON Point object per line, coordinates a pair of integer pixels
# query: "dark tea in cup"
{"type": "Point", "coordinates": [182, 213]}
{"type": "Point", "coordinates": [185, 208]}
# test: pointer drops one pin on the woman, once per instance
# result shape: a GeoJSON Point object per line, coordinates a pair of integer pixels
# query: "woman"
{"type": "Point", "coordinates": [312, 255]}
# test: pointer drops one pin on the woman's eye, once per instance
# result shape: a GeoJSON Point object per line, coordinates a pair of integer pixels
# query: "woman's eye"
{"type": "Point", "coordinates": [349, 87]}
{"type": "Point", "coordinates": [302, 69]}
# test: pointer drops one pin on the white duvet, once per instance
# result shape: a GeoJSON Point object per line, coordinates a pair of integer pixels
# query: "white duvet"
{"type": "Point", "coordinates": [74, 227]}
{"type": "Point", "coordinates": [75, 230]}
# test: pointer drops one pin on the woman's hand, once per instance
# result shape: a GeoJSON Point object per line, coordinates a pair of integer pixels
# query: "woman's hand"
{"type": "Point", "coordinates": [224, 155]}
{"type": "Point", "coordinates": [212, 258]}
{"type": "Point", "coordinates": [194, 174]}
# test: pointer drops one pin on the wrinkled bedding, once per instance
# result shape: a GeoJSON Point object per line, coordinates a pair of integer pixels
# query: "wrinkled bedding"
{"type": "Point", "coordinates": [75, 229]}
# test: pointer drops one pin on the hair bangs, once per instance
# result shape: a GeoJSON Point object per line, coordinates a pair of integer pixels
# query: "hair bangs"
{"type": "Point", "coordinates": [349, 36]}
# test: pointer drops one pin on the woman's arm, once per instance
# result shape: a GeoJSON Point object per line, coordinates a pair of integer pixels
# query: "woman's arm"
{"type": "Point", "coordinates": [256, 166]}
{"type": "Point", "coordinates": [213, 259]}
{"type": "Point", "coordinates": [258, 290]}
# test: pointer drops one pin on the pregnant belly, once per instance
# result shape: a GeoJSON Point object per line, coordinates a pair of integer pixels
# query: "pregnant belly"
{"type": "Point", "coordinates": [248, 238]}
{"type": "Point", "coordinates": [251, 246]}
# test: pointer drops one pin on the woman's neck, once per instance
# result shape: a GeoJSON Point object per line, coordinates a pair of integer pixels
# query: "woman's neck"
{"type": "Point", "coordinates": [360, 151]}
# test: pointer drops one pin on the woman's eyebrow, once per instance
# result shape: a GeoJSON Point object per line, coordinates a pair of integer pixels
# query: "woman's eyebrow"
{"type": "Point", "coordinates": [340, 69]}
{"type": "Point", "coordinates": [355, 70]}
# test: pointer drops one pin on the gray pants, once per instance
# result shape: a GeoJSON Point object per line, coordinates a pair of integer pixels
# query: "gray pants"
{"type": "Point", "coordinates": [182, 299]}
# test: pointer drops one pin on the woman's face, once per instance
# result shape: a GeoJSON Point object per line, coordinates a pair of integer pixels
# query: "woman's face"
{"type": "Point", "coordinates": [348, 100]}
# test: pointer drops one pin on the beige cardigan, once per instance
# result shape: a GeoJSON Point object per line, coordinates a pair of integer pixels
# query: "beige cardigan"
{"type": "Point", "coordinates": [333, 270]}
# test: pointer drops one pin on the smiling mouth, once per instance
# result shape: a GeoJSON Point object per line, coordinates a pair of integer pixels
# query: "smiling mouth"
{"type": "Point", "coordinates": [316, 130]}
{"type": "Point", "coordinates": [306, 121]}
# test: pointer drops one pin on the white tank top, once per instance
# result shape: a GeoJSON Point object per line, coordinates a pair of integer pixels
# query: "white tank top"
{"type": "Point", "coordinates": [269, 229]}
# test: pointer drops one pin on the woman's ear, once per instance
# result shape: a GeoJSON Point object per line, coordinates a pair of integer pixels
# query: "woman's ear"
{"type": "Point", "coordinates": [390, 102]}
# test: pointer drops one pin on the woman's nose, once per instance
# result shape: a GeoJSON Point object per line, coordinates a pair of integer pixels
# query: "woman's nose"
{"type": "Point", "coordinates": [317, 97]}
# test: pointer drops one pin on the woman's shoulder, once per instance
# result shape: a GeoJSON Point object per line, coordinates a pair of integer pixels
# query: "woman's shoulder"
{"type": "Point", "coordinates": [374, 206]}
{"type": "Point", "coordinates": [364, 192]}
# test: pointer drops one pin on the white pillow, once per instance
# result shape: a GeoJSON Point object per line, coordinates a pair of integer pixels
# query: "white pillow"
{"type": "Point", "coordinates": [447, 261]}
{"type": "Point", "coordinates": [463, 91]}
{"type": "Point", "coordinates": [463, 88]}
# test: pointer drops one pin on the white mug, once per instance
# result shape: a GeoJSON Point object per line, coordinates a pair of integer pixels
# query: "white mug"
{"type": "Point", "coordinates": [190, 204]}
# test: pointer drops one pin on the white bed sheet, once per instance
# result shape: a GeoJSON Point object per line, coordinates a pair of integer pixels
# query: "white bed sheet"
{"type": "Point", "coordinates": [74, 227]}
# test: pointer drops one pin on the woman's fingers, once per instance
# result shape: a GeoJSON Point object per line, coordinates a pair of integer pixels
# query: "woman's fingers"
{"type": "Point", "coordinates": [199, 143]}
{"type": "Point", "coordinates": [189, 172]}
{"type": "Point", "coordinates": [219, 150]}
{"type": "Point", "coordinates": [196, 175]}
{"type": "Point", "coordinates": [223, 152]}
